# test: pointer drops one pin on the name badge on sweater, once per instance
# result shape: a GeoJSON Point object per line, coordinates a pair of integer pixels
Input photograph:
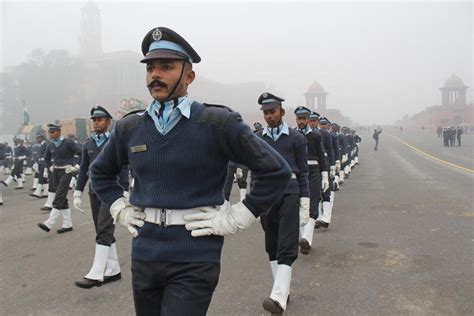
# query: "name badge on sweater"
{"type": "Point", "coordinates": [139, 148]}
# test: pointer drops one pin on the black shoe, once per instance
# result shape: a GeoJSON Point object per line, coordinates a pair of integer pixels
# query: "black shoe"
{"type": "Point", "coordinates": [18, 188]}
{"type": "Point", "coordinates": [46, 208]}
{"type": "Point", "coordinates": [44, 227]}
{"type": "Point", "coordinates": [272, 306]}
{"type": "Point", "coordinates": [112, 278]}
{"type": "Point", "coordinates": [32, 189]}
{"type": "Point", "coordinates": [64, 230]}
{"type": "Point", "coordinates": [305, 246]}
{"type": "Point", "coordinates": [317, 225]}
{"type": "Point", "coordinates": [322, 224]}
{"type": "Point", "coordinates": [34, 195]}
{"type": "Point", "coordinates": [4, 183]}
{"type": "Point", "coordinates": [1, 203]}
{"type": "Point", "coordinates": [86, 283]}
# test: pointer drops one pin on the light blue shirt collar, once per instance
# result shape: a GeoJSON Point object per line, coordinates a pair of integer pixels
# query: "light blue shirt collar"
{"type": "Point", "coordinates": [275, 132]}
{"type": "Point", "coordinates": [305, 130]}
{"type": "Point", "coordinates": [171, 113]}
{"type": "Point", "coordinates": [58, 141]}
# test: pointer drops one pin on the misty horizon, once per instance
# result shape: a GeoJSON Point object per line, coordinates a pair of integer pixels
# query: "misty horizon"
{"type": "Point", "coordinates": [377, 61]}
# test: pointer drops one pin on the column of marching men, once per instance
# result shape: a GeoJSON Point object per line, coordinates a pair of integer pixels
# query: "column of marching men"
{"type": "Point", "coordinates": [182, 158]}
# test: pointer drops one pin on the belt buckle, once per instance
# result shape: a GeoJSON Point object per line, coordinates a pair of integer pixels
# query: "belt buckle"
{"type": "Point", "coordinates": [163, 217]}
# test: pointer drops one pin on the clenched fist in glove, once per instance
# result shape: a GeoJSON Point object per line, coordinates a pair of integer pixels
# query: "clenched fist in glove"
{"type": "Point", "coordinates": [332, 171]}
{"type": "Point", "coordinates": [344, 158]}
{"type": "Point", "coordinates": [238, 173]}
{"type": "Point", "coordinates": [304, 210]}
{"type": "Point", "coordinates": [127, 215]}
{"type": "Point", "coordinates": [219, 221]}
{"type": "Point", "coordinates": [72, 169]}
{"type": "Point", "coordinates": [338, 166]}
{"type": "Point", "coordinates": [45, 172]}
{"type": "Point", "coordinates": [324, 181]}
{"type": "Point", "coordinates": [77, 201]}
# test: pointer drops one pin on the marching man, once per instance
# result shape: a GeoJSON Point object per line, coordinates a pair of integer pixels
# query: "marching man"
{"type": "Point", "coordinates": [178, 151]}
{"type": "Point", "coordinates": [291, 209]}
{"type": "Point", "coordinates": [105, 268]}
{"type": "Point", "coordinates": [318, 174]}
{"type": "Point", "coordinates": [61, 150]}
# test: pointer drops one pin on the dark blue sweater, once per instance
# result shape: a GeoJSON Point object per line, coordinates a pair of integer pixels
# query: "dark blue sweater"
{"type": "Point", "coordinates": [62, 155]}
{"type": "Point", "coordinates": [90, 151]}
{"type": "Point", "coordinates": [327, 141]}
{"type": "Point", "coordinates": [184, 169]}
{"type": "Point", "coordinates": [293, 149]}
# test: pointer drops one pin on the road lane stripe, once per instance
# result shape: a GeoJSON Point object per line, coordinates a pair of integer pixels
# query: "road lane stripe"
{"type": "Point", "coordinates": [431, 156]}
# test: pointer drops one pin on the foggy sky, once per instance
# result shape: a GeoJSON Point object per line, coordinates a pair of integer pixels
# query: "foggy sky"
{"type": "Point", "coordinates": [378, 61]}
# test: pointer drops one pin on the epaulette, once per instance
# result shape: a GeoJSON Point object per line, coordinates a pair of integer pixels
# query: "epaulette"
{"type": "Point", "coordinates": [215, 114]}
{"type": "Point", "coordinates": [218, 106]}
{"type": "Point", "coordinates": [133, 112]}
{"type": "Point", "coordinates": [131, 121]}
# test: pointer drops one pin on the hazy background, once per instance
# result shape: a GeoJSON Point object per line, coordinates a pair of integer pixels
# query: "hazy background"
{"type": "Point", "coordinates": [377, 60]}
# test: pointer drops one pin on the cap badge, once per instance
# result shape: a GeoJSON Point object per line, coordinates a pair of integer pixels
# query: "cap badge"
{"type": "Point", "coordinates": [156, 35]}
{"type": "Point", "coordinates": [265, 95]}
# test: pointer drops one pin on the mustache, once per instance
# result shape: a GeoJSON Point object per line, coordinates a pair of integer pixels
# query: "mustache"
{"type": "Point", "coordinates": [158, 83]}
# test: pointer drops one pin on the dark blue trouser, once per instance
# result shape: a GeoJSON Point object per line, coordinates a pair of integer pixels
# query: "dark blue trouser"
{"type": "Point", "coordinates": [173, 288]}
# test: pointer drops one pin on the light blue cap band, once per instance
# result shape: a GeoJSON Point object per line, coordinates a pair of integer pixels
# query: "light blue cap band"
{"type": "Point", "coordinates": [270, 101]}
{"type": "Point", "coordinates": [163, 44]}
{"type": "Point", "coordinates": [99, 112]}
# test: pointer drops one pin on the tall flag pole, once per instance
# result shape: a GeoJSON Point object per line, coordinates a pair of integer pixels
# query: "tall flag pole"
{"type": "Point", "coordinates": [26, 115]}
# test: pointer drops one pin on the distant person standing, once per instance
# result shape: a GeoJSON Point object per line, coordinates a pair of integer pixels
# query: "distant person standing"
{"type": "Point", "coordinates": [375, 136]}
{"type": "Point", "coordinates": [452, 136]}
{"type": "Point", "coordinates": [446, 137]}
{"type": "Point", "coordinates": [459, 132]}
{"type": "Point", "coordinates": [440, 131]}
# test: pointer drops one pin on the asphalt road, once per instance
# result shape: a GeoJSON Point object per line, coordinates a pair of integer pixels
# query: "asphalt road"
{"type": "Point", "coordinates": [401, 243]}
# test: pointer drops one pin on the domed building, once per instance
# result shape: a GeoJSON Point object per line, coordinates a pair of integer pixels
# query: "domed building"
{"type": "Point", "coordinates": [453, 111]}
{"type": "Point", "coordinates": [316, 93]}
{"type": "Point", "coordinates": [453, 91]}
{"type": "Point", "coordinates": [316, 100]}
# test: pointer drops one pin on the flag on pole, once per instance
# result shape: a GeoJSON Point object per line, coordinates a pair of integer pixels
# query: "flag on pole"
{"type": "Point", "coordinates": [26, 115]}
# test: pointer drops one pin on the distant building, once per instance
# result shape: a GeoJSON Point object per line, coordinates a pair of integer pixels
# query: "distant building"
{"type": "Point", "coordinates": [316, 101]}
{"type": "Point", "coordinates": [111, 76]}
{"type": "Point", "coordinates": [454, 109]}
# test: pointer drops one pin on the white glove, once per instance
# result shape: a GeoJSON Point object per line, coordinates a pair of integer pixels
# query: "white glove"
{"type": "Point", "coordinates": [238, 173]}
{"type": "Point", "coordinates": [45, 172]}
{"type": "Point", "coordinates": [126, 194]}
{"type": "Point", "coordinates": [77, 201]}
{"type": "Point", "coordinates": [72, 169]}
{"type": "Point", "coordinates": [24, 161]}
{"type": "Point", "coordinates": [332, 171]}
{"type": "Point", "coordinates": [338, 166]}
{"type": "Point", "coordinates": [344, 158]}
{"type": "Point", "coordinates": [35, 167]}
{"type": "Point", "coordinates": [324, 181]}
{"type": "Point", "coordinates": [51, 168]}
{"type": "Point", "coordinates": [126, 215]}
{"type": "Point", "coordinates": [219, 221]}
{"type": "Point", "coordinates": [304, 210]}
{"type": "Point", "coordinates": [346, 169]}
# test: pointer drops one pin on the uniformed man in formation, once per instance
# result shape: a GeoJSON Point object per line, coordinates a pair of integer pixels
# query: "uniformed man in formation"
{"type": "Point", "coordinates": [105, 267]}
{"type": "Point", "coordinates": [20, 154]}
{"type": "Point", "coordinates": [41, 173]}
{"type": "Point", "coordinates": [318, 174]}
{"type": "Point", "coordinates": [178, 151]}
{"type": "Point", "coordinates": [59, 158]}
{"type": "Point", "coordinates": [291, 209]}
